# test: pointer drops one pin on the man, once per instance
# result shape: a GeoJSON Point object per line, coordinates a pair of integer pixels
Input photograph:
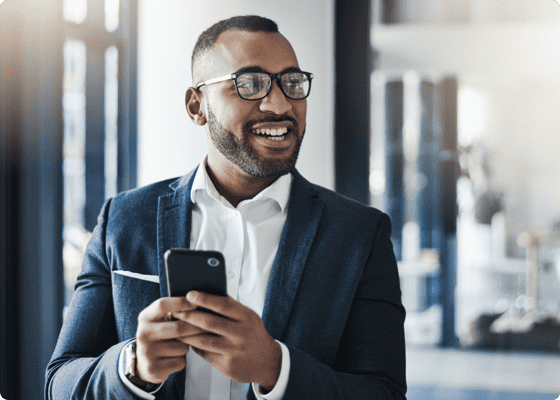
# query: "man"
{"type": "Point", "coordinates": [317, 267]}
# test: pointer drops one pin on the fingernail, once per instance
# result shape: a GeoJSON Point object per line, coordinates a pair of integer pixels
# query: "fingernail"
{"type": "Point", "coordinates": [191, 296]}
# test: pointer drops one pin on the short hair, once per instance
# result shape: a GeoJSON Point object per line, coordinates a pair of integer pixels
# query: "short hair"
{"type": "Point", "coordinates": [248, 23]}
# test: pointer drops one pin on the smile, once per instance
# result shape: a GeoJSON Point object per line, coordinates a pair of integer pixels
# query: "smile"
{"type": "Point", "coordinates": [272, 134]}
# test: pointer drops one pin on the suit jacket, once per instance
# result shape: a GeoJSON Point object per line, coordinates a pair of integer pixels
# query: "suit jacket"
{"type": "Point", "coordinates": [333, 296]}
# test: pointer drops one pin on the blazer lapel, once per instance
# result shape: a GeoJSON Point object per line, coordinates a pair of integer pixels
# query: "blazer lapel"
{"type": "Point", "coordinates": [174, 222]}
{"type": "Point", "coordinates": [304, 214]}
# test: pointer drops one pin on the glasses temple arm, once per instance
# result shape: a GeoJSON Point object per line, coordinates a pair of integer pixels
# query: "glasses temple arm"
{"type": "Point", "coordinates": [216, 80]}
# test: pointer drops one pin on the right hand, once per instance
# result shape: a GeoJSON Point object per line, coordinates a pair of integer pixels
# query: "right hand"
{"type": "Point", "coordinates": [159, 350]}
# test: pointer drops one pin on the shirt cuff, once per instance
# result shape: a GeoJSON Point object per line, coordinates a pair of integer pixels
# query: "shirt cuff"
{"type": "Point", "coordinates": [277, 393]}
{"type": "Point", "coordinates": [129, 385]}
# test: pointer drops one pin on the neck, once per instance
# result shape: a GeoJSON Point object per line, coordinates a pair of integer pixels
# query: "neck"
{"type": "Point", "coordinates": [236, 186]}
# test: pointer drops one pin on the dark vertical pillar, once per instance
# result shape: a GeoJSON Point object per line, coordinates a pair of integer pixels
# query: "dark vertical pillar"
{"type": "Point", "coordinates": [128, 120]}
{"type": "Point", "coordinates": [95, 127]}
{"type": "Point", "coordinates": [448, 191]}
{"type": "Point", "coordinates": [95, 116]}
{"type": "Point", "coordinates": [394, 167]}
{"type": "Point", "coordinates": [10, 174]}
{"type": "Point", "coordinates": [389, 11]}
{"type": "Point", "coordinates": [352, 98]}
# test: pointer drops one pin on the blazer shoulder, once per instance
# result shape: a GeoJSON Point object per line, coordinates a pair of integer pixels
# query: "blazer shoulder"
{"type": "Point", "coordinates": [149, 194]}
{"type": "Point", "coordinates": [340, 214]}
{"type": "Point", "coordinates": [345, 206]}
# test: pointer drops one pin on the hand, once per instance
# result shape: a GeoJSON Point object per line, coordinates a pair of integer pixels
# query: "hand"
{"type": "Point", "coordinates": [235, 342]}
{"type": "Point", "coordinates": [160, 350]}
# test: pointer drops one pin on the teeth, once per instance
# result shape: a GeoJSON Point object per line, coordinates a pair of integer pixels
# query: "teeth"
{"type": "Point", "coordinates": [272, 132]}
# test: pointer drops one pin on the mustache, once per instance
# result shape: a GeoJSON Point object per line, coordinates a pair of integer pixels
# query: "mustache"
{"type": "Point", "coordinates": [271, 118]}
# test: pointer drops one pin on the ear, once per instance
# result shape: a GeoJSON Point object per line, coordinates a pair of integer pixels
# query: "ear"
{"type": "Point", "coordinates": [193, 103]}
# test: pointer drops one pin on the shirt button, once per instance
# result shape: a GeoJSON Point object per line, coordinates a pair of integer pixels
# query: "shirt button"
{"type": "Point", "coordinates": [231, 275]}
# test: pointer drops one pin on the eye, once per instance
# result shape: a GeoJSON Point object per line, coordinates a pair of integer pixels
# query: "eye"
{"type": "Point", "coordinates": [251, 84]}
{"type": "Point", "coordinates": [294, 84]}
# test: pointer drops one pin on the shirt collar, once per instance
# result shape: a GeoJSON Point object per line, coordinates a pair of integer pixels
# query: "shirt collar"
{"type": "Point", "coordinates": [279, 191]}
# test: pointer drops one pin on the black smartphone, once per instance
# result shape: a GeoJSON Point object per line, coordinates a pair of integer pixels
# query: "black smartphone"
{"type": "Point", "coordinates": [188, 270]}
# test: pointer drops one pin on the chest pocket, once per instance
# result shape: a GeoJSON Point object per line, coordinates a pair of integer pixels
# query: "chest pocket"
{"type": "Point", "coordinates": [131, 296]}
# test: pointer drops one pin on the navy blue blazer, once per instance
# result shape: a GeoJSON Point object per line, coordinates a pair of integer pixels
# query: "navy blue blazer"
{"type": "Point", "coordinates": [333, 298]}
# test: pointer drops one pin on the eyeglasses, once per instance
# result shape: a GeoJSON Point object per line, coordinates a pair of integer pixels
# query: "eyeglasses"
{"type": "Point", "coordinates": [295, 85]}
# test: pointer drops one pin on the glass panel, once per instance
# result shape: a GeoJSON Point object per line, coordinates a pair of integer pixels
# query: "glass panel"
{"type": "Point", "coordinates": [73, 164]}
{"type": "Point", "coordinates": [75, 10]}
{"type": "Point", "coordinates": [111, 120]}
{"type": "Point", "coordinates": [112, 9]}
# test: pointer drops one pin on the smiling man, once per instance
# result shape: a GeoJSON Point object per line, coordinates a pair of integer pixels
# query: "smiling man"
{"type": "Point", "coordinates": [313, 307]}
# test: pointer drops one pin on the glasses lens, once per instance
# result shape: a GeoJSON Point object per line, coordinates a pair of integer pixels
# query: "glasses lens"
{"type": "Point", "coordinates": [252, 85]}
{"type": "Point", "coordinates": [296, 85]}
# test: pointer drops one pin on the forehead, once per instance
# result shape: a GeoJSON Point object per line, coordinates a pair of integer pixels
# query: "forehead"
{"type": "Point", "coordinates": [236, 49]}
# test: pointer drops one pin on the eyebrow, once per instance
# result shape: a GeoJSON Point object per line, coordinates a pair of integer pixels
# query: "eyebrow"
{"type": "Point", "coordinates": [255, 68]}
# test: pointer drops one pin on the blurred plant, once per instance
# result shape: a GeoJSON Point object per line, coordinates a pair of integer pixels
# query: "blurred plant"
{"type": "Point", "coordinates": [488, 204]}
{"type": "Point", "coordinates": [475, 161]}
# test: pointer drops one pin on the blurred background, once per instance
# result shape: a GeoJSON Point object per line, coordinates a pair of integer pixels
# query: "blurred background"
{"type": "Point", "coordinates": [442, 113]}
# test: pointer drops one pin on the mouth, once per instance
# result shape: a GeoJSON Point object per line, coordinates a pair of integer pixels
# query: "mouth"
{"type": "Point", "coordinates": [277, 134]}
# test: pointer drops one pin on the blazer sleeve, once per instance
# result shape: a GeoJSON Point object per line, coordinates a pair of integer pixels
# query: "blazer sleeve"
{"type": "Point", "coordinates": [85, 360]}
{"type": "Point", "coordinates": [370, 362]}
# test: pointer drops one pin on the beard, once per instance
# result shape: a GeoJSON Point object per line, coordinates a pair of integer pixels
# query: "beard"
{"type": "Point", "coordinates": [241, 153]}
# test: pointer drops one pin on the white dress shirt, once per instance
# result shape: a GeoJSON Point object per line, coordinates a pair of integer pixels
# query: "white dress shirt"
{"type": "Point", "coordinates": [248, 236]}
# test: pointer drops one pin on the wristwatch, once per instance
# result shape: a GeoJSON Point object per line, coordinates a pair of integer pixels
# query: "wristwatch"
{"type": "Point", "coordinates": [130, 369]}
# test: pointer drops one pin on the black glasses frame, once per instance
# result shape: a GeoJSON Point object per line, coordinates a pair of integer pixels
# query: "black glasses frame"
{"type": "Point", "coordinates": [234, 76]}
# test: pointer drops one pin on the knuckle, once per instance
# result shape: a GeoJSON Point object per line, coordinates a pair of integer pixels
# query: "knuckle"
{"type": "Point", "coordinates": [142, 315]}
{"type": "Point", "coordinates": [142, 335]}
{"type": "Point", "coordinates": [161, 306]}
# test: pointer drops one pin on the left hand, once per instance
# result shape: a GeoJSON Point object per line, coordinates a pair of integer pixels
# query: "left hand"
{"type": "Point", "coordinates": [239, 345]}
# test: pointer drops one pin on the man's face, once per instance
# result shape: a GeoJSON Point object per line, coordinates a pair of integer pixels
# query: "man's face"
{"type": "Point", "coordinates": [261, 138]}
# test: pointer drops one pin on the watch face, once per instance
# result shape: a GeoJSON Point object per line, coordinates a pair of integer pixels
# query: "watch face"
{"type": "Point", "coordinates": [130, 359]}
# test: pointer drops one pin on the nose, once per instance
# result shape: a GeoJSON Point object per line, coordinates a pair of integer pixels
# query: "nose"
{"type": "Point", "coordinates": [275, 102]}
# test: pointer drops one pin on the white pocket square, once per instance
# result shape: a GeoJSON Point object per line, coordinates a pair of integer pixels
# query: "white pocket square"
{"type": "Point", "coordinates": [136, 275]}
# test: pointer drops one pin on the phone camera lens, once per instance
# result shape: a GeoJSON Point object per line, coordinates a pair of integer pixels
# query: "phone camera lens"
{"type": "Point", "coordinates": [213, 262]}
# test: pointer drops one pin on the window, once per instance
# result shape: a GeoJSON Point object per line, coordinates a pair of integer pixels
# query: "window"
{"type": "Point", "coordinates": [99, 101]}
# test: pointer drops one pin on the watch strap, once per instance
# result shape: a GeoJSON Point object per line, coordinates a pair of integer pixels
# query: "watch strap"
{"type": "Point", "coordinates": [131, 372]}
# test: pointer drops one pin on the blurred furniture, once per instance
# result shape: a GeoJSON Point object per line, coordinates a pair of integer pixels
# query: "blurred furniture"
{"type": "Point", "coordinates": [530, 241]}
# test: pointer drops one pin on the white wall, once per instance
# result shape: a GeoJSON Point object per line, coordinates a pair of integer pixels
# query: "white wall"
{"type": "Point", "coordinates": [169, 144]}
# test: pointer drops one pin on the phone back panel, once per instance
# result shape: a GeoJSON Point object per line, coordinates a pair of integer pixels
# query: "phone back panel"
{"type": "Point", "coordinates": [195, 270]}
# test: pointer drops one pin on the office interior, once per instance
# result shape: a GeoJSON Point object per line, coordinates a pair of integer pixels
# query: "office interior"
{"type": "Point", "coordinates": [442, 113]}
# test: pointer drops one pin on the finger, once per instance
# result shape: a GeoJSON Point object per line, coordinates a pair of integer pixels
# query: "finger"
{"type": "Point", "coordinates": [207, 343]}
{"type": "Point", "coordinates": [223, 305]}
{"type": "Point", "coordinates": [161, 331]}
{"type": "Point", "coordinates": [159, 309]}
{"type": "Point", "coordinates": [169, 349]}
{"type": "Point", "coordinates": [212, 323]}
{"type": "Point", "coordinates": [207, 355]}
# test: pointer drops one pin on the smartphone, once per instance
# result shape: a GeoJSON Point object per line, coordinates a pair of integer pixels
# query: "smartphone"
{"type": "Point", "coordinates": [188, 270]}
